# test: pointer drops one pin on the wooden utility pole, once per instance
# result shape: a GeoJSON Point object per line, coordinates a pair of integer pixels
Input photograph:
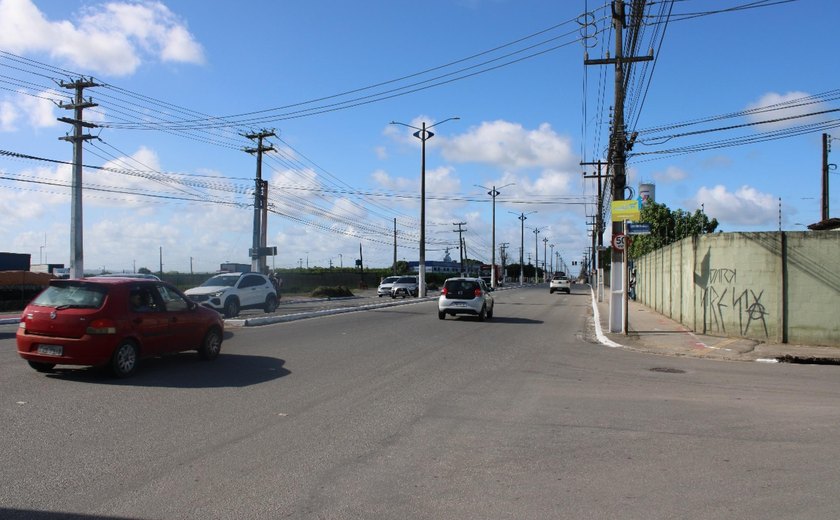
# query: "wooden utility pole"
{"type": "Point", "coordinates": [77, 268]}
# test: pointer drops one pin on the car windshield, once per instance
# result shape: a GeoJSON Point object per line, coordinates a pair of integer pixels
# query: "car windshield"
{"type": "Point", "coordinates": [76, 295]}
{"type": "Point", "coordinates": [221, 281]}
{"type": "Point", "coordinates": [407, 279]}
{"type": "Point", "coordinates": [390, 279]}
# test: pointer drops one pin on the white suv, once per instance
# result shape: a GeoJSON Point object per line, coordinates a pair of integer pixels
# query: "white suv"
{"type": "Point", "coordinates": [465, 296]}
{"type": "Point", "coordinates": [228, 293]}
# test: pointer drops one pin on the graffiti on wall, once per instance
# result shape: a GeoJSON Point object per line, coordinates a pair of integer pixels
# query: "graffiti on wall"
{"type": "Point", "coordinates": [725, 303]}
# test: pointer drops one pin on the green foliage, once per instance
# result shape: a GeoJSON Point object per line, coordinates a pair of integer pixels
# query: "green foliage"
{"type": "Point", "coordinates": [668, 226]}
{"type": "Point", "coordinates": [331, 292]}
{"type": "Point", "coordinates": [144, 270]}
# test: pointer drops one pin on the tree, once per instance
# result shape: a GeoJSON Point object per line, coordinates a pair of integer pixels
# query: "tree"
{"type": "Point", "coordinates": [144, 270]}
{"type": "Point", "coordinates": [667, 227]}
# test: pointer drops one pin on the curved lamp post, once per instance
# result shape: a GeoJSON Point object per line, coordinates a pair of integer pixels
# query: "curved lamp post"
{"type": "Point", "coordinates": [424, 135]}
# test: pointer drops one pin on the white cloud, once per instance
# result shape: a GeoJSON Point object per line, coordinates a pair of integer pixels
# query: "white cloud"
{"type": "Point", "coordinates": [773, 106]}
{"type": "Point", "coordinates": [8, 115]}
{"type": "Point", "coordinates": [671, 174]}
{"type": "Point", "coordinates": [746, 206]}
{"type": "Point", "coordinates": [112, 38]}
{"type": "Point", "coordinates": [509, 145]}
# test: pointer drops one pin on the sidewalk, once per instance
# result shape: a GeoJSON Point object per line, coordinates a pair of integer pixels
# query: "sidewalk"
{"type": "Point", "coordinates": [649, 331]}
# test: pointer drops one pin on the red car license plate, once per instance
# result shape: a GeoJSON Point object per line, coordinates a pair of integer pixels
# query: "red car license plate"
{"type": "Point", "coordinates": [51, 350]}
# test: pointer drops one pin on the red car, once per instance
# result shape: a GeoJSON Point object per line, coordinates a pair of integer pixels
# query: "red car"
{"type": "Point", "coordinates": [114, 322]}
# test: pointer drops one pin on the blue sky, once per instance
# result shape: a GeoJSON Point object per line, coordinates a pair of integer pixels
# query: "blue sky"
{"type": "Point", "coordinates": [328, 76]}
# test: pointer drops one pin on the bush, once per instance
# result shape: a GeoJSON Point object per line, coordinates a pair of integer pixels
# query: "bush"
{"type": "Point", "coordinates": [331, 292]}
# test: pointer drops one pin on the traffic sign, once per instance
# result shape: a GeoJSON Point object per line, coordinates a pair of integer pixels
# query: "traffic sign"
{"type": "Point", "coordinates": [638, 228]}
{"type": "Point", "coordinates": [618, 242]}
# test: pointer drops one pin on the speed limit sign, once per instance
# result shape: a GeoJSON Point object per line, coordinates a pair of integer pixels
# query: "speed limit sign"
{"type": "Point", "coordinates": [618, 242]}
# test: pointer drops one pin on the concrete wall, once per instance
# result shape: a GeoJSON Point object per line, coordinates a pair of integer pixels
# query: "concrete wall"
{"type": "Point", "coordinates": [774, 287]}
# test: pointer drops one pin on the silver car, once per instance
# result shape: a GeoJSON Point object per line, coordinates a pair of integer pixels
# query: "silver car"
{"type": "Point", "coordinates": [404, 286]}
{"type": "Point", "coordinates": [384, 288]}
{"type": "Point", "coordinates": [466, 296]}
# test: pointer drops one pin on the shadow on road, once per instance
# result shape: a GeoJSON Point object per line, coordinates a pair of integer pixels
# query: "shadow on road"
{"type": "Point", "coordinates": [29, 514]}
{"type": "Point", "coordinates": [186, 370]}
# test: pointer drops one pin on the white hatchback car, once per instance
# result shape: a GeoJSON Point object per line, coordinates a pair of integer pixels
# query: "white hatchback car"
{"type": "Point", "coordinates": [560, 282]}
{"type": "Point", "coordinates": [466, 296]}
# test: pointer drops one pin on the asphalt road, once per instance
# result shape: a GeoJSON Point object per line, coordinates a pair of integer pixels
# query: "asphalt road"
{"type": "Point", "coordinates": [394, 414]}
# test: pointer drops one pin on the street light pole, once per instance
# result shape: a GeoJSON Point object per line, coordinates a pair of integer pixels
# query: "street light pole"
{"type": "Point", "coordinates": [522, 218]}
{"type": "Point", "coordinates": [552, 259]}
{"type": "Point", "coordinates": [493, 193]}
{"type": "Point", "coordinates": [536, 255]}
{"type": "Point", "coordinates": [424, 135]}
{"type": "Point", "coordinates": [545, 259]}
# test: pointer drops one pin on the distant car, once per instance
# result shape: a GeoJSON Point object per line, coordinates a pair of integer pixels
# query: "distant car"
{"type": "Point", "coordinates": [113, 322]}
{"type": "Point", "coordinates": [466, 296]}
{"type": "Point", "coordinates": [229, 293]}
{"type": "Point", "coordinates": [385, 286]}
{"type": "Point", "coordinates": [142, 276]}
{"type": "Point", "coordinates": [404, 286]}
{"type": "Point", "coordinates": [560, 283]}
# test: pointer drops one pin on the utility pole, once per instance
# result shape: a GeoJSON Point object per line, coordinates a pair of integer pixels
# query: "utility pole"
{"type": "Point", "coordinates": [619, 145]}
{"type": "Point", "coordinates": [258, 244]}
{"type": "Point", "coordinates": [77, 267]}
{"type": "Point", "coordinates": [461, 251]}
{"type": "Point", "coordinates": [503, 256]}
{"type": "Point", "coordinates": [545, 259]}
{"type": "Point", "coordinates": [826, 147]}
{"type": "Point", "coordinates": [536, 255]}
{"type": "Point", "coordinates": [395, 245]}
{"type": "Point", "coordinates": [522, 219]}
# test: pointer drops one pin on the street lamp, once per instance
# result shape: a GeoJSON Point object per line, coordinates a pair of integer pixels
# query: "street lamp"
{"type": "Point", "coordinates": [552, 259]}
{"type": "Point", "coordinates": [536, 255]}
{"type": "Point", "coordinates": [522, 218]}
{"type": "Point", "coordinates": [545, 259]}
{"type": "Point", "coordinates": [424, 135]}
{"type": "Point", "coordinates": [493, 192]}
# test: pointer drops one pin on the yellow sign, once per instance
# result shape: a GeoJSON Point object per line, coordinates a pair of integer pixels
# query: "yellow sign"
{"type": "Point", "coordinates": [625, 210]}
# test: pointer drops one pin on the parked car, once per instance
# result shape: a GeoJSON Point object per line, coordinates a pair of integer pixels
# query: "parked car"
{"type": "Point", "coordinates": [405, 286]}
{"type": "Point", "coordinates": [560, 283]}
{"type": "Point", "coordinates": [385, 286]}
{"type": "Point", "coordinates": [466, 296]}
{"type": "Point", "coordinates": [229, 293]}
{"type": "Point", "coordinates": [113, 322]}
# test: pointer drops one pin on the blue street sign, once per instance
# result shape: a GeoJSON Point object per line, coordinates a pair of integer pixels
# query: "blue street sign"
{"type": "Point", "coordinates": [638, 229]}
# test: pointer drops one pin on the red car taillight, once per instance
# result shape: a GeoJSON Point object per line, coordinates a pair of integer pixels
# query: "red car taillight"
{"type": "Point", "coordinates": [478, 293]}
{"type": "Point", "coordinates": [444, 291]}
{"type": "Point", "coordinates": [102, 326]}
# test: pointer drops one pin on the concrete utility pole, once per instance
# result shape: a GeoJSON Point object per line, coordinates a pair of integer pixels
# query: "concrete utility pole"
{"type": "Point", "coordinates": [258, 245]}
{"type": "Point", "coordinates": [522, 219]}
{"type": "Point", "coordinates": [461, 251]}
{"type": "Point", "coordinates": [77, 267]}
{"type": "Point", "coordinates": [619, 145]}
{"type": "Point", "coordinates": [503, 257]}
{"type": "Point", "coordinates": [545, 256]}
{"type": "Point", "coordinates": [826, 147]}
{"type": "Point", "coordinates": [536, 255]}
{"type": "Point", "coordinates": [424, 135]}
{"type": "Point", "coordinates": [395, 245]}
